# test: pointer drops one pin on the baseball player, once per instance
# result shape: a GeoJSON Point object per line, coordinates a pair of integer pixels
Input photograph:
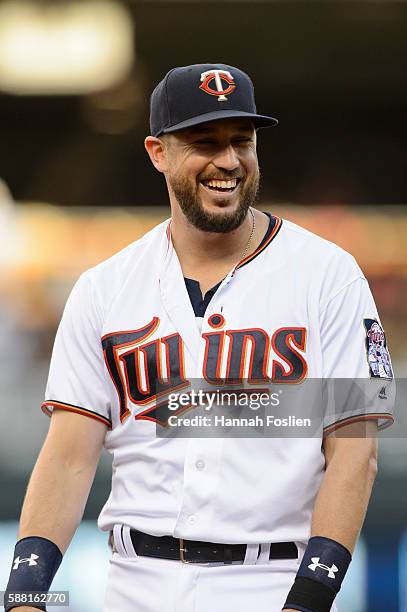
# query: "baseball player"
{"type": "Point", "coordinates": [219, 292]}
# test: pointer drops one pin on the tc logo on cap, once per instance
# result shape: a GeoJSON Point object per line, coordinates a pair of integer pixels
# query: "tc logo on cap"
{"type": "Point", "coordinates": [218, 76]}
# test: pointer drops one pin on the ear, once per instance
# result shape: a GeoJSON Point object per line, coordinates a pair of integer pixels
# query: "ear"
{"type": "Point", "coordinates": [157, 152]}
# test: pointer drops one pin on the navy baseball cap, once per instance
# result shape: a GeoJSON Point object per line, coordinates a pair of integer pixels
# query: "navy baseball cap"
{"type": "Point", "coordinates": [190, 95]}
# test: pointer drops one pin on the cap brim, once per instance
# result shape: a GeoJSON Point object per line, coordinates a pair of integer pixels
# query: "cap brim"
{"type": "Point", "coordinates": [259, 121]}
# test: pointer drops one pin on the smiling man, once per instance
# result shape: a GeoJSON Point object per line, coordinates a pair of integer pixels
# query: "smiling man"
{"type": "Point", "coordinates": [215, 196]}
{"type": "Point", "coordinates": [220, 292]}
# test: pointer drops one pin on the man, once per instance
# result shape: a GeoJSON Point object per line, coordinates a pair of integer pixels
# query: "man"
{"type": "Point", "coordinates": [221, 292]}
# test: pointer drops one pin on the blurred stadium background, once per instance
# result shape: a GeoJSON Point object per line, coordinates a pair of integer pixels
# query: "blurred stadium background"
{"type": "Point", "coordinates": [75, 79]}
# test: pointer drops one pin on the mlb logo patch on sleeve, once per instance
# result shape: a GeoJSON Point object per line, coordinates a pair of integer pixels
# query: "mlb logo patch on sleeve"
{"type": "Point", "coordinates": [378, 356]}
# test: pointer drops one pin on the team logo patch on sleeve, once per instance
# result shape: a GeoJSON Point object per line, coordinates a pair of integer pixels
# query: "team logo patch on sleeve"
{"type": "Point", "coordinates": [377, 353]}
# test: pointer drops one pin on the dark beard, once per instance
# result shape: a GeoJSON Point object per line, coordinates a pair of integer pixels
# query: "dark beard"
{"type": "Point", "coordinates": [197, 216]}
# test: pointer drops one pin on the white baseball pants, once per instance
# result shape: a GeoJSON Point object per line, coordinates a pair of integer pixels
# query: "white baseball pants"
{"type": "Point", "coordinates": [144, 584]}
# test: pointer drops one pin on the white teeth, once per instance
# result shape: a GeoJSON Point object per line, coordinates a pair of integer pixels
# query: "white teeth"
{"type": "Point", "coordinates": [221, 184]}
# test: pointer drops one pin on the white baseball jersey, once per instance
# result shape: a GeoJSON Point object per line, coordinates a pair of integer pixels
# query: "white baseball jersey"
{"type": "Point", "coordinates": [298, 307]}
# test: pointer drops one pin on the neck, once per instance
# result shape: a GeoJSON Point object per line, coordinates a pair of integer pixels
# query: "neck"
{"type": "Point", "coordinates": [198, 250]}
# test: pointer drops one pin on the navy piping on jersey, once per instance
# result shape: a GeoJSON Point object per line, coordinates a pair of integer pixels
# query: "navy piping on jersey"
{"type": "Point", "coordinates": [199, 303]}
{"type": "Point", "coordinates": [272, 231]}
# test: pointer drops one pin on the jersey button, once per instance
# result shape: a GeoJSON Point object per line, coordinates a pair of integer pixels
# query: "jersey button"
{"type": "Point", "coordinates": [200, 464]}
{"type": "Point", "coordinates": [192, 519]}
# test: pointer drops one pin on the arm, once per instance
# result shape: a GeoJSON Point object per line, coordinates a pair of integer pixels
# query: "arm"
{"type": "Point", "coordinates": [351, 467]}
{"type": "Point", "coordinates": [61, 480]}
{"type": "Point", "coordinates": [343, 497]}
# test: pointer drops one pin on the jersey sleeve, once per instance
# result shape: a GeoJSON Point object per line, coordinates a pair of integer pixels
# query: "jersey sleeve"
{"type": "Point", "coordinates": [357, 370]}
{"type": "Point", "coordinates": [76, 380]}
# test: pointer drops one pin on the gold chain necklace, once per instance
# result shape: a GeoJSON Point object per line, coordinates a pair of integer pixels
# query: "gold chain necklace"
{"type": "Point", "coordinates": [250, 237]}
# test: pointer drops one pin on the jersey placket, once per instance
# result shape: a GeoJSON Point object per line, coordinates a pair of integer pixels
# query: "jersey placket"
{"type": "Point", "coordinates": [178, 307]}
{"type": "Point", "coordinates": [203, 458]}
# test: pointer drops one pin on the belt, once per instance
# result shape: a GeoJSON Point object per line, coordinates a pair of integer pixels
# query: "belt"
{"type": "Point", "coordinates": [193, 551]}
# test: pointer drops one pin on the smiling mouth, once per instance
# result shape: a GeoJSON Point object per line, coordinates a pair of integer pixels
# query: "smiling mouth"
{"type": "Point", "coordinates": [221, 185]}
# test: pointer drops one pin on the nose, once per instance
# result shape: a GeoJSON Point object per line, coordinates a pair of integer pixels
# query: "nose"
{"type": "Point", "coordinates": [227, 158]}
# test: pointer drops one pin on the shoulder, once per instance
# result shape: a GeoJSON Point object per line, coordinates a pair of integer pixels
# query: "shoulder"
{"type": "Point", "coordinates": [320, 267]}
{"type": "Point", "coordinates": [121, 262]}
{"type": "Point", "coordinates": [133, 252]}
{"type": "Point", "coordinates": [316, 244]}
{"type": "Point", "coordinates": [324, 256]}
{"type": "Point", "coordinates": [104, 281]}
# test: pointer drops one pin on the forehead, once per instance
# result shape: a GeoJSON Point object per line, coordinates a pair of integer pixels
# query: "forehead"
{"type": "Point", "coordinates": [221, 127]}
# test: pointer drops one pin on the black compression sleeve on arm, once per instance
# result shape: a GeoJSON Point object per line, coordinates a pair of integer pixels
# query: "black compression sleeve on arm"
{"type": "Point", "coordinates": [320, 575]}
{"type": "Point", "coordinates": [35, 563]}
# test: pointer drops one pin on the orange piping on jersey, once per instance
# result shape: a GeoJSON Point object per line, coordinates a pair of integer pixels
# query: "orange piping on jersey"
{"type": "Point", "coordinates": [355, 419]}
{"type": "Point", "coordinates": [77, 409]}
{"type": "Point", "coordinates": [263, 246]}
{"type": "Point", "coordinates": [168, 231]}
